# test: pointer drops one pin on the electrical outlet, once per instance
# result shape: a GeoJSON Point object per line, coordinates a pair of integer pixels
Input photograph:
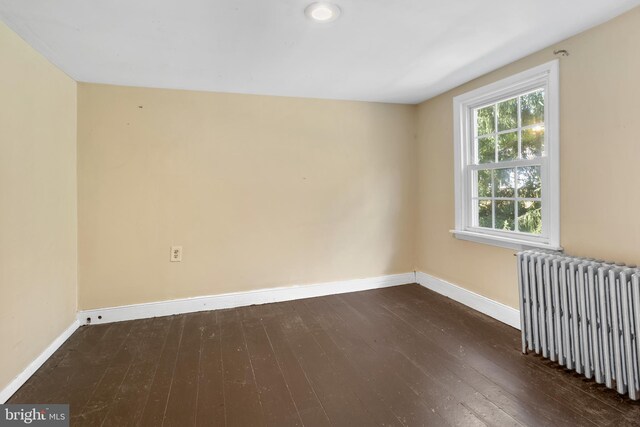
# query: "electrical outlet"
{"type": "Point", "coordinates": [176, 254]}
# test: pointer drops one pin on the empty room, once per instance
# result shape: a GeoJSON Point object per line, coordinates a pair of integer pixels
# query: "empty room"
{"type": "Point", "coordinates": [309, 213]}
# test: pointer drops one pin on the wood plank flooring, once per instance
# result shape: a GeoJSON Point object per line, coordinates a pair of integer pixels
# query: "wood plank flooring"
{"type": "Point", "coordinates": [401, 356]}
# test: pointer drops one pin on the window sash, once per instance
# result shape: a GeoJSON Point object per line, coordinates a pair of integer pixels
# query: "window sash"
{"type": "Point", "coordinates": [472, 212]}
{"type": "Point", "coordinates": [472, 114]}
{"type": "Point", "coordinates": [538, 161]}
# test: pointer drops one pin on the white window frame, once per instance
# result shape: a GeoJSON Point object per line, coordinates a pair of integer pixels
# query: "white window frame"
{"type": "Point", "coordinates": [543, 76]}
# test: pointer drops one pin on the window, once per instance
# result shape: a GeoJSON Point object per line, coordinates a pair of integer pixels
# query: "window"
{"type": "Point", "coordinates": [506, 161]}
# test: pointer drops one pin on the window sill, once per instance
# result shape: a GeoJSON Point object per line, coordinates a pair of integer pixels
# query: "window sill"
{"type": "Point", "coordinates": [503, 242]}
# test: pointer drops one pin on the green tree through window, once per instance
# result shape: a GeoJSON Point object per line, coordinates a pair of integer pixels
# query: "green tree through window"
{"type": "Point", "coordinates": [509, 198]}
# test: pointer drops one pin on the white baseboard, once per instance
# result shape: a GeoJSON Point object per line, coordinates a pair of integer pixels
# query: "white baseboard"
{"type": "Point", "coordinates": [18, 381]}
{"type": "Point", "coordinates": [239, 299]}
{"type": "Point", "coordinates": [498, 311]}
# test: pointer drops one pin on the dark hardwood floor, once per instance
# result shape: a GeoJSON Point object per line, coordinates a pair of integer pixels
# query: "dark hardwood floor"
{"type": "Point", "coordinates": [400, 356]}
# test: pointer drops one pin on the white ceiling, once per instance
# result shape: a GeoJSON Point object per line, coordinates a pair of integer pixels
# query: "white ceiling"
{"type": "Point", "coordinates": [392, 51]}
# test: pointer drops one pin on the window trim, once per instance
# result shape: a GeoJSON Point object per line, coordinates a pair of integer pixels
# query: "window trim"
{"type": "Point", "coordinates": [547, 76]}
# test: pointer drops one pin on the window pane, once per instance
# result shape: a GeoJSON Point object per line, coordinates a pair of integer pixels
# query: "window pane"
{"type": "Point", "coordinates": [529, 184]}
{"type": "Point", "coordinates": [487, 149]}
{"type": "Point", "coordinates": [533, 142]}
{"type": "Point", "coordinates": [485, 215]}
{"type": "Point", "coordinates": [530, 217]}
{"type": "Point", "coordinates": [504, 182]}
{"type": "Point", "coordinates": [484, 183]}
{"type": "Point", "coordinates": [532, 108]}
{"type": "Point", "coordinates": [486, 120]}
{"type": "Point", "coordinates": [507, 146]}
{"type": "Point", "coordinates": [505, 215]}
{"type": "Point", "coordinates": [508, 114]}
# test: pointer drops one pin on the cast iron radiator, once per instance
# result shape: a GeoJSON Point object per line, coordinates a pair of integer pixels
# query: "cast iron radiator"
{"type": "Point", "coordinates": [584, 314]}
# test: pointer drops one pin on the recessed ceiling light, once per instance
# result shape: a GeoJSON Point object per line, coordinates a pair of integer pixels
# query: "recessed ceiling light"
{"type": "Point", "coordinates": [322, 12]}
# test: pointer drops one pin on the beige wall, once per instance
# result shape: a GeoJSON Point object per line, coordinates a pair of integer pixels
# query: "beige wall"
{"type": "Point", "coordinates": [260, 192]}
{"type": "Point", "coordinates": [38, 220]}
{"type": "Point", "coordinates": [600, 154]}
